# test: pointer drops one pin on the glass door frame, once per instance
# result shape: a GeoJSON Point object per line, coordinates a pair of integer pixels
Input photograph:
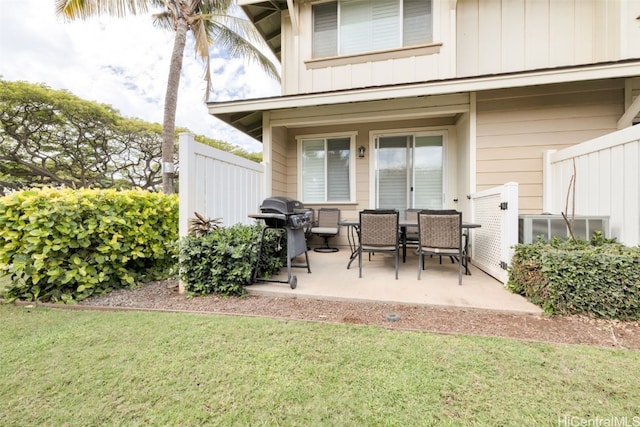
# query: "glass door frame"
{"type": "Point", "coordinates": [411, 136]}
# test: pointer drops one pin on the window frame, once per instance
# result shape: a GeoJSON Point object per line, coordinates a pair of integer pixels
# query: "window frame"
{"type": "Point", "coordinates": [352, 165]}
{"type": "Point", "coordinates": [400, 29]}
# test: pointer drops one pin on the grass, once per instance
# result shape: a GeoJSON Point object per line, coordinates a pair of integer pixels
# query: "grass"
{"type": "Point", "coordinates": [67, 367]}
{"type": "Point", "coordinates": [5, 280]}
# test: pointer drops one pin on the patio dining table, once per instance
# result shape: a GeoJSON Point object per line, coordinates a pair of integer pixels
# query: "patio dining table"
{"type": "Point", "coordinates": [353, 238]}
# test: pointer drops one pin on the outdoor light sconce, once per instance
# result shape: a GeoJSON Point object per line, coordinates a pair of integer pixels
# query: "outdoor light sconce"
{"type": "Point", "coordinates": [361, 151]}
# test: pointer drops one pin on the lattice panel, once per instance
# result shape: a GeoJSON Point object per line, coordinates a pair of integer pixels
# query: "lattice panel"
{"type": "Point", "coordinates": [487, 240]}
{"type": "Point", "coordinates": [496, 209]}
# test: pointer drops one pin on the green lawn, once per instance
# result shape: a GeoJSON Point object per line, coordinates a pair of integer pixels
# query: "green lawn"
{"type": "Point", "coordinates": [80, 368]}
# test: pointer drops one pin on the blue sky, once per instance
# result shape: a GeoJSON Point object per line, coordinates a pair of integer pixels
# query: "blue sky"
{"type": "Point", "coordinates": [124, 63]}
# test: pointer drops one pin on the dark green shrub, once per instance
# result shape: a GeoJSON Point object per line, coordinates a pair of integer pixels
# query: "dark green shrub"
{"type": "Point", "coordinates": [600, 278]}
{"type": "Point", "coordinates": [65, 245]}
{"type": "Point", "coordinates": [222, 261]}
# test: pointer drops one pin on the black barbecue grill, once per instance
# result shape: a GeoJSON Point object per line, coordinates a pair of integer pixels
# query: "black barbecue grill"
{"type": "Point", "coordinates": [284, 214]}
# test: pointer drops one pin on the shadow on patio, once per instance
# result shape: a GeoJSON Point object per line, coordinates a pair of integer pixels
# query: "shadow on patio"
{"type": "Point", "coordinates": [330, 279]}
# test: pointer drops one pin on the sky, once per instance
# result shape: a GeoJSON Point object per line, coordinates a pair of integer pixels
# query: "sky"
{"type": "Point", "coordinates": [123, 62]}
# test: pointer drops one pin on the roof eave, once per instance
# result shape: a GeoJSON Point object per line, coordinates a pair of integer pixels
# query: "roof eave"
{"type": "Point", "coordinates": [238, 112]}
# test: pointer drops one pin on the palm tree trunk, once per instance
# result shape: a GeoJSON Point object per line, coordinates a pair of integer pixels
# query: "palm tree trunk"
{"type": "Point", "coordinates": [170, 105]}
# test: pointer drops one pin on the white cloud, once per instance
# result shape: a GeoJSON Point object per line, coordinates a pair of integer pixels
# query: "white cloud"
{"type": "Point", "coordinates": [124, 63]}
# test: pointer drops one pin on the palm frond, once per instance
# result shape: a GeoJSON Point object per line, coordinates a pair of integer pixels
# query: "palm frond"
{"type": "Point", "coordinates": [84, 9]}
{"type": "Point", "coordinates": [164, 20]}
{"type": "Point", "coordinates": [239, 45]}
{"type": "Point", "coordinates": [201, 38]}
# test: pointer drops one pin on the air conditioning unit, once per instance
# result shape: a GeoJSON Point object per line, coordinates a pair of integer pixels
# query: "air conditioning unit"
{"type": "Point", "coordinates": [548, 226]}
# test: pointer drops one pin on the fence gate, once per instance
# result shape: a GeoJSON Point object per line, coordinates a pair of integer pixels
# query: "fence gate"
{"type": "Point", "coordinates": [492, 244]}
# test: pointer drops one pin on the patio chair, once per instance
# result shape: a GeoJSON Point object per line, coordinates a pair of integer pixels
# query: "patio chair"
{"type": "Point", "coordinates": [440, 233]}
{"type": "Point", "coordinates": [379, 233]}
{"type": "Point", "coordinates": [311, 218]}
{"type": "Point", "coordinates": [327, 227]}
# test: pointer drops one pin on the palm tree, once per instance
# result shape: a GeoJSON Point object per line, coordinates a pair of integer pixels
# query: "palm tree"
{"type": "Point", "coordinates": [211, 23]}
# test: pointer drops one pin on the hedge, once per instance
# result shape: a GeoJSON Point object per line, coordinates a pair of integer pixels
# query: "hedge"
{"type": "Point", "coordinates": [66, 245]}
{"type": "Point", "coordinates": [222, 261]}
{"type": "Point", "coordinates": [598, 278]}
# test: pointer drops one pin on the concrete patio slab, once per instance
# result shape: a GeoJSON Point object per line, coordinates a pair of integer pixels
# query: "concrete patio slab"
{"type": "Point", "coordinates": [330, 279]}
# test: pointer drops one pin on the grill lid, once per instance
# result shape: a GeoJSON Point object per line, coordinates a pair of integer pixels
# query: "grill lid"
{"type": "Point", "coordinates": [281, 205]}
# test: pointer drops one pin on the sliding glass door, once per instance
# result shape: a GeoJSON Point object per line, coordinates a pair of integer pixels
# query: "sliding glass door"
{"type": "Point", "coordinates": [409, 171]}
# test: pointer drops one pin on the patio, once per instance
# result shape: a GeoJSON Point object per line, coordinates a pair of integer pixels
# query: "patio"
{"type": "Point", "coordinates": [330, 279]}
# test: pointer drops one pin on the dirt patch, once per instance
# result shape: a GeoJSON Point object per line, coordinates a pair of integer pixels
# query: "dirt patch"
{"type": "Point", "coordinates": [566, 329]}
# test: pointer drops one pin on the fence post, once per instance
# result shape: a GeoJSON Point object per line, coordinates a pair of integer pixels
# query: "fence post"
{"type": "Point", "coordinates": [187, 187]}
{"type": "Point", "coordinates": [510, 221]}
{"type": "Point", "coordinates": [548, 188]}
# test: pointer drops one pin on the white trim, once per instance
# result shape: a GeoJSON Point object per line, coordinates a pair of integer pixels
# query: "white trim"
{"type": "Point", "coordinates": [473, 144]}
{"type": "Point", "coordinates": [293, 15]}
{"type": "Point", "coordinates": [350, 134]}
{"type": "Point", "coordinates": [267, 156]}
{"type": "Point", "coordinates": [378, 55]}
{"type": "Point", "coordinates": [441, 87]}
{"type": "Point", "coordinates": [630, 114]}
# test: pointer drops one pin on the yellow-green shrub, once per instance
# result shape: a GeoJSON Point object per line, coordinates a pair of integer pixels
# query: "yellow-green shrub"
{"type": "Point", "coordinates": [65, 245]}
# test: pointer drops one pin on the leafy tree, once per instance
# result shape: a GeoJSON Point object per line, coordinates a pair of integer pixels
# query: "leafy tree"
{"type": "Point", "coordinates": [50, 137]}
{"type": "Point", "coordinates": [210, 21]}
{"type": "Point", "coordinates": [225, 146]}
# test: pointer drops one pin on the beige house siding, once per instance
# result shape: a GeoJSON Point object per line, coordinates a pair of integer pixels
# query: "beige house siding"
{"type": "Point", "coordinates": [512, 35]}
{"type": "Point", "coordinates": [279, 162]}
{"type": "Point", "coordinates": [515, 127]}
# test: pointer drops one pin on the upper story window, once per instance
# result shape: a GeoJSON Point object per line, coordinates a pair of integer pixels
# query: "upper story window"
{"type": "Point", "coordinates": [347, 27]}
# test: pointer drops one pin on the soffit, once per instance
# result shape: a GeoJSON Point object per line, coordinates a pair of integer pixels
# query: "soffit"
{"type": "Point", "coordinates": [266, 17]}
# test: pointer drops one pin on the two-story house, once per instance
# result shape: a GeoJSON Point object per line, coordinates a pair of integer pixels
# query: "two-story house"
{"type": "Point", "coordinates": [420, 103]}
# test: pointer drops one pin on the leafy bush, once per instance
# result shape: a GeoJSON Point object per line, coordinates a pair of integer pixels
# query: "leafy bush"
{"type": "Point", "coordinates": [600, 278]}
{"type": "Point", "coordinates": [65, 245]}
{"type": "Point", "coordinates": [222, 261]}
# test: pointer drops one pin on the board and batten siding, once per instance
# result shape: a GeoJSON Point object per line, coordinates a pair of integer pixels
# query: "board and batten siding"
{"type": "Point", "coordinates": [303, 74]}
{"type": "Point", "coordinates": [515, 127]}
{"type": "Point", "coordinates": [501, 36]}
{"type": "Point", "coordinates": [471, 38]}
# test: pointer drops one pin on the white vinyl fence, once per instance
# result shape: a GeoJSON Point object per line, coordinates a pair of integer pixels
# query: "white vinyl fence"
{"type": "Point", "coordinates": [217, 184]}
{"type": "Point", "coordinates": [492, 244]}
{"type": "Point", "coordinates": [607, 181]}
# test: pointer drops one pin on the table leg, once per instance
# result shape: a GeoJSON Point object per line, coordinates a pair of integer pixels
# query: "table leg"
{"type": "Point", "coordinates": [353, 237]}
